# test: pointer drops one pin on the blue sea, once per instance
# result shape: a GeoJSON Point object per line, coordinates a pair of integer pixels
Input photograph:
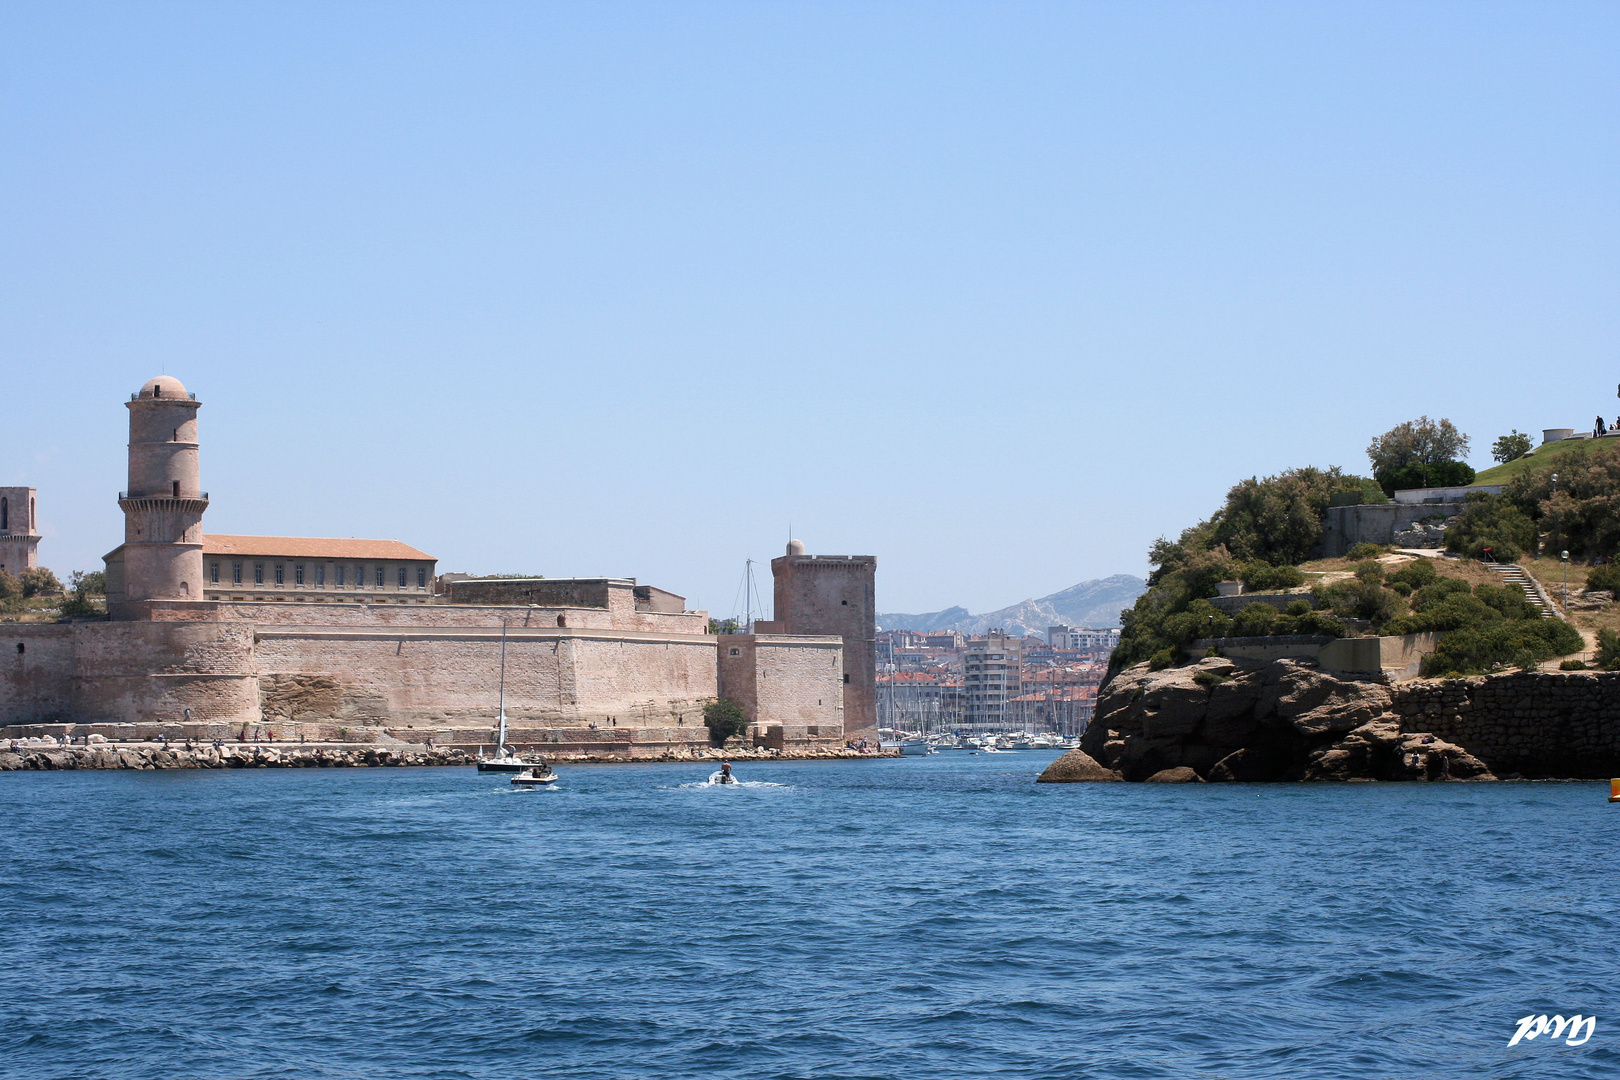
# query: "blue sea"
{"type": "Point", "coordinates": [916, 918]}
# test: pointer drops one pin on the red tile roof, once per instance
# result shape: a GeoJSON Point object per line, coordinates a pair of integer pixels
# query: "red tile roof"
{"type": "Point", "coordinates": [312, 547]}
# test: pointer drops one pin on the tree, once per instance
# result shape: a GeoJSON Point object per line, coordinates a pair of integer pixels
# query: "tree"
{"type": "Point", "coordinates": [1491, 521]}
{"type": "Point", "coordinates": [1417, 442]}
{"type": "Point", "coordinates": [11, 593]}
{"type": "Point", "coordinates": [89, 582]}
{"type": "Point", "coordinates": [37, 579]}
{"type": "Point", "coordinates": [1510, 447]}
{"type": "Point", "coordinates": [725, 719]}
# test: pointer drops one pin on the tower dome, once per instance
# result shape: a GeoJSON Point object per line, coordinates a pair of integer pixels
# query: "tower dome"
{"type": "Point", "coordinates": [164, 386]}
{"type": "Point", "coordinates": [795, 547]}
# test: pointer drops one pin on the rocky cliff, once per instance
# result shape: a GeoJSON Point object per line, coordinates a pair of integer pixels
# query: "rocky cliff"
{"type": "Point", "coordinates": [1286, 720]}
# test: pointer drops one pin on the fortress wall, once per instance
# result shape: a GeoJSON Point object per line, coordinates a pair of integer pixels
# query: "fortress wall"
{"type": "Point", "coordinates": [646, 684]}
{"type": "Point", "coordinates": [148, 672]}
{"type": "Point", "coordinates": [1535, 723]}
{"type": "Point", "coordinates": [338, 614]}
{"type": "Point", "coordinates": [799, 682]}
{"type": "Point", "coordinates": [425, 676]}
{"type": "Point", "coordinates": [36, 684]}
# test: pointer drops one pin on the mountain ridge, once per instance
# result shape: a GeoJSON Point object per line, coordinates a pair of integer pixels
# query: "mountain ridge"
{"type": "Point", "coordinates": [1095, 603]}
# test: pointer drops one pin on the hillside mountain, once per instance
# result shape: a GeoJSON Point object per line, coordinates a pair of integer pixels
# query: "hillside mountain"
{"type": "Point", "coordinates": [1091, 603]}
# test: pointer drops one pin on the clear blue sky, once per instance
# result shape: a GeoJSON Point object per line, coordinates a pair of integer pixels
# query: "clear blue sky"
{"type": "Point", "coordinates": [995, 292]}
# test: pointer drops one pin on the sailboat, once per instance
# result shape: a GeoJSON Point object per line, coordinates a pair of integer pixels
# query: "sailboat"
{"type": "Point", "coordinates": [506, 759]}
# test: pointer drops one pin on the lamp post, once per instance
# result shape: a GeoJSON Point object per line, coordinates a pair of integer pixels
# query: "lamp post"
{"type": "Point", "coordinates": [1564, 557]}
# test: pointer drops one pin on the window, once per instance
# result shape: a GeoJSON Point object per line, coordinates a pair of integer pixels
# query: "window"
{"type": "Point", "coordinates": [736, 652]}
{"type": "Point", "coordinates": [421, 577]}
{"type": "Point", "coordinates": [236, 573]}
{"type": "Point", "coordinates": [298, 574]}
{"type": "Point", "coordinates": [213, 573]}
{"type": "Point", "coordinates": [320, 575]}
{"type": "Point", "coordinates": [281, 574]}
{"type": "Point", "coordinates": [846, 676]}
{"type": "Point", "coordinates": [338, 581]}
{"type": "Point", "coordinates": [845, 603]}
{"type": "Point", "coordinates": [5, 514]}
{"type": "Point", "coordinates": [402, 577]}
{"type": "Point", "coordinates": [177, 489]}
{"type": "Point", "coordinates": [379, 577]}
{"type": "Point", "coordinates": [258, 573]}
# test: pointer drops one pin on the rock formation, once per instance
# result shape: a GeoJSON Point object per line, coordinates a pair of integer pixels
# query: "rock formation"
{"type": "Point", "coordinates": [1285, 720]}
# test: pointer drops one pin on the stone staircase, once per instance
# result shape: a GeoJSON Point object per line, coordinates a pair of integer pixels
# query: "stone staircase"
{"type": "Point", "coordinates": [1515, 575]}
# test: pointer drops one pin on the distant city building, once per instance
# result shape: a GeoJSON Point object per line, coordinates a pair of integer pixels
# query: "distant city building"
{"type": "Point", "coordinates": [945, 639]}
{"type": "Point", "coordinates": [991, 677]}
{"type": "Point", "coordinates": [1081, 639]}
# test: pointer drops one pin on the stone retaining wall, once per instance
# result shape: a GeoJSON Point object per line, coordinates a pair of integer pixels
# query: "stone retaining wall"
{"type": "Point", "coordinates": [1536, 723]}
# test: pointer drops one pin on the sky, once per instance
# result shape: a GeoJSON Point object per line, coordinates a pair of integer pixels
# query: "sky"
{"type": "Point", "coordinates": [997, 293]}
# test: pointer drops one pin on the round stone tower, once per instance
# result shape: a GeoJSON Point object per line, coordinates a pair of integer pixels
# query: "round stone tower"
{"type": "Point", "coordinates": [163, 507]}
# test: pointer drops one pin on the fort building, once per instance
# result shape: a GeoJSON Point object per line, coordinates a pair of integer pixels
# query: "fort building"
{"type": "Point", "coordinates": [19, 530]}
{"type": "Point", "coordinates": [836, 596]}
{"type": "Point", "coordinates": [215, 636]}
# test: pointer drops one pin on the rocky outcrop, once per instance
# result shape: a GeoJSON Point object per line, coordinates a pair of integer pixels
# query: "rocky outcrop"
{"type": "Point", "coordinates": [1286, 720]}
{"type": "Point", "coordinates": [1075, 767]}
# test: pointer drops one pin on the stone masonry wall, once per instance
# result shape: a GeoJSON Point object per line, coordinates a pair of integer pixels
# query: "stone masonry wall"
{"type": "Point", "coordinates": [421, 615]}
{"type": "Point", "coordinates": [1563, 724]}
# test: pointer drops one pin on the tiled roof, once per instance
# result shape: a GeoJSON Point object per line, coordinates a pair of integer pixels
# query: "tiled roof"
{"type": "Point", "coordinates": [312, 547]}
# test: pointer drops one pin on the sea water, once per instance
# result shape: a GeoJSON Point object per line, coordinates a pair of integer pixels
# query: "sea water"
{"type": "Point", "coordinates": [920, 917]}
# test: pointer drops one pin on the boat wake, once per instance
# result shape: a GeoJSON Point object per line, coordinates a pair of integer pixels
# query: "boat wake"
{"type": "Point", "coordinates": [714, 782]}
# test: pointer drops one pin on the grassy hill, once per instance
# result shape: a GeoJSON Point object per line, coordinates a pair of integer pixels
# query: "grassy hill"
{"type": "Point", "coordinates": [1544, 455]}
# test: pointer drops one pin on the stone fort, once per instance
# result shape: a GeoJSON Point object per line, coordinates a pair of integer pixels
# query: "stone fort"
{"type": "Point", "coordinates": [213, 636]}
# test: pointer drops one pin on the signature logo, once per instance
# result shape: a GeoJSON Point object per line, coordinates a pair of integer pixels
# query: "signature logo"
{"type": "Point", "coordinates": [1531, 1027]}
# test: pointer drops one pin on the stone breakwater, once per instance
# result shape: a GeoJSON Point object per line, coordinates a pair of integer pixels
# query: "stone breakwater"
{"type": "Point", "coordinates": [300, 757]}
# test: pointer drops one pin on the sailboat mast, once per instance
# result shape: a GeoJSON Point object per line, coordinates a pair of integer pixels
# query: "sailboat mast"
{"type": "Point", "coordinates": [501, 748]}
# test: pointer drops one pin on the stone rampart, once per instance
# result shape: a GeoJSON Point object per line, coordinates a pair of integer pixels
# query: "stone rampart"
{"type": "Point", "coordinates": [1564, 724]}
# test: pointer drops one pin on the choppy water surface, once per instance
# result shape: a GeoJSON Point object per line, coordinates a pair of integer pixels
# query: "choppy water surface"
{"type": "Point", "coordinates": [939, 917]}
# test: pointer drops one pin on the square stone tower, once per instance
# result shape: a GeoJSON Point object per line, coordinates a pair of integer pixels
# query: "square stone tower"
{"type": "Point", "coordinates": [834, 596]}
{"type": "Point", "coordinates": [19, 530]}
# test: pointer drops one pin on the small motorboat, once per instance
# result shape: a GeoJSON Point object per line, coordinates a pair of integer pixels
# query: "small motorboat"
{"type": "Point", "coordinates": [536, 776]}
{"type": "Point", "coordinates": [723, 776]}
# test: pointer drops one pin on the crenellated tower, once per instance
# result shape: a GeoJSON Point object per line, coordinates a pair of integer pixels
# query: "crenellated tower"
{"type": "Point", "coordinates": [163, 508]}
{"type": "Point", "coordinates": [19, 530]}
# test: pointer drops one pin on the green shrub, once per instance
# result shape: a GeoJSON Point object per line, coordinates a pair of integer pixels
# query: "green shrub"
{"type": "Point", "coordinates": [1262, 576]}
{"type": "Point", "coordinates": [1608, 654]}
{"type": "Point", "coordinates": [1482, 647]}
{"type": "Point", "coordinates": [1507, 599]}
{"type": "Point", "coordinates": [725, 719]}
{"type": "Point", "coordinates": [1161, 659]}
{"type": "Point", "coordinates": [1606, 577]}
{"type": "Point", "coordinates": [1419, 475]}
{"type": "Point", "coordinates": [1491, 521]}
{"type": "Point", "coordinates": [11, 593]}
{"type": "Point", "coordinates": [1297, 608]}
{"type": "Point", "coordinates": [1365, 550]}
{"type": "Point", "coordinates": [1319, 623]}
{"type": "Point", "coordinates": [1437, 591]}
{"type": "Point", "coordinates": [1400, 588]}
{"type": "Point", "coordinates": [37, 579]}
{"type": "Point", "coordinates": [1362, 599]}
{"type": "Point", "coordinates": [1369, 571]}
{"type": "Point", "coordinates": [1209, 679]}
{"type": "Point", "coordinates": [1572, 665]}
{"type": "Point", "coordinates": [1254, 621]}
{"type": "Point", "coordinates": [1417, 574]}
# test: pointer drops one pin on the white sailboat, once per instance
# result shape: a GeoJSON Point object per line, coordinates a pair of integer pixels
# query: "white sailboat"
{"type": "Point", "coordinates": [506, 759]}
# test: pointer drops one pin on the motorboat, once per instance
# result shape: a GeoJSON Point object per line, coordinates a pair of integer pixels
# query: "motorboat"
{"type": "Point", "coordinates": [535, 776]}
{"type": "Point", "coordinates": [914, 748]}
